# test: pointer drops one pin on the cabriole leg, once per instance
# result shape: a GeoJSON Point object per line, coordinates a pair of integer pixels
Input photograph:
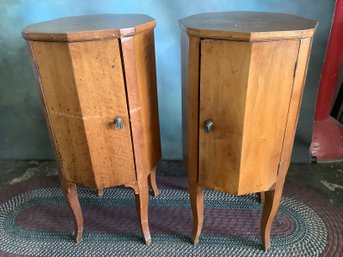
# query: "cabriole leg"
{"type": "Point", "coordinates": [142, 202]}
{"type": "Point", "coordinates": [270, 208]}
{"type": "Point", "coordinates": [152, 179]}
{"type": "Point", "coordinates": [70, 193]}
{"type": "Point", "coordinates": [196, 194]}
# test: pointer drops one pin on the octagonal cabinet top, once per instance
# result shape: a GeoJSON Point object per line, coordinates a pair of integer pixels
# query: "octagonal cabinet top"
{"type": "Point", "coordinates": [248, 26]}
{"type": "Point", "coordinates": [88, 27]}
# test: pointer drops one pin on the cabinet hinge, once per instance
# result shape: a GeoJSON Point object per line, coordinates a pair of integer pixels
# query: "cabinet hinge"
{"type": "Point", "coordinates": [295, 69]}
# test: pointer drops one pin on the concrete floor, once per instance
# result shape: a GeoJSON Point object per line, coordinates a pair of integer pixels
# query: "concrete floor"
{"type": "Point", "coordinates": [325, 178]}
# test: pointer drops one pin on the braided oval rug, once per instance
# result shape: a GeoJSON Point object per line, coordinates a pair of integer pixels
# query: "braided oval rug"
{"type": "Point", "coordinates": [35, 221]}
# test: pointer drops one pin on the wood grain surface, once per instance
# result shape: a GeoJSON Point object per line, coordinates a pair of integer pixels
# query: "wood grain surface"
{"type": "Point", "coordinates": [69, 189]}
{"type": "Point", "coordinates": [267, 106]}
{"type": "Point", "coordinates": [59, 91]}
{"type": "Point", "coordinates": [139, 64]}
{"type": "Point", "coordinates": [84, 92]}
{"type": "Point", "coordinates": [223, 100]}
{"type": "Point", "coordinates": [251, 90]}
{"type": "Point", "coordinates": [100, 85]}
{"type": "Point", "coordinates": [138, 54]}
{"type": "Point", "coordinates": [89, 27]}
{"type": "Point", "coordinates": [273, 197]}
{"type": "Point", "coordinates": [190, 53]}
{"type": "Point", "coordinates": [85, 86]}
{"type": "Point", "coordinates": [248, 101]}
{"type": "Point", "coordinates": [248, 26]}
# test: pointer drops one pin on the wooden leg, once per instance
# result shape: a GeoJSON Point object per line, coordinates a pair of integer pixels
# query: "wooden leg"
{"type": "Point", "coordinates": [261, 197]}
{"type": "Point", "coordinates": [197, 203]}
{"type": "Point", "coordinates": [271, 205]}
{"type": "Point", "coordinates": [70, 192]}
{"type": "Point", "coordinates": [142, 202]}
{"type": "Point", "coordinates": [152, 179]}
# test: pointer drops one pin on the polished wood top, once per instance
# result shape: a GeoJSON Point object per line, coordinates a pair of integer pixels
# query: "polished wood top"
{"type": "Point", "coordinates": [248, 26]}
{"type": "Point", "coordinates": [89, 27]}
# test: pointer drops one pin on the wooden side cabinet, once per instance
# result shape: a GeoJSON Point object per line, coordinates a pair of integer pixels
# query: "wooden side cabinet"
{"type": "Point", "coordinates": [243, 75]}
{"type": "Point", "coordinates": [98, 85]}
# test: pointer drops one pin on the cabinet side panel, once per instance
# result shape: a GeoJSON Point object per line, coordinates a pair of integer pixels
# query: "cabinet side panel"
{"type": "Point", "coordinates": [139, 65]}
{"type": "Point", "coordinates": [223, 86]}
{"type": "Point", "coordinates": [190, 97]}
{"type": "Point", "coordinates": [298, 90]}
{"type": "Point", "coordinates": [101, 91]}
{"type": "Point", "coordinates": [147, 85]}
{"type": "Point", "coordinates": [267, 104]}
{"type": "Point", "coordinates": [59, 92]}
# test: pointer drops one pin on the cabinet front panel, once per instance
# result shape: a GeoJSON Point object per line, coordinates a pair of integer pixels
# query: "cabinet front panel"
{"type": "Point", "coordinates": [224, 72]}
{"type": "Point", "coordinates": [83, 87]}
{"type": "Point", "coordinates": [101, 90]}
{"type": "Point", "coordinates": [245, 89]}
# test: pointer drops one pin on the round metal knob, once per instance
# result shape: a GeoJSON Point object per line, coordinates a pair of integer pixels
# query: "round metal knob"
{"type": "Point", "coordinates": [118, 122]}
{"type": "Point", "coordinates": [208, 126]}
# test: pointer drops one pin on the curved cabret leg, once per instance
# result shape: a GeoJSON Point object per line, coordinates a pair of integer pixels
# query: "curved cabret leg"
{"type": "Point", "coordinates": [70, 192]}
{"type": "Point", "coordinates": [142, 203]}
{"type": "Point", "coordinates": [152, 180]}
{"type": "Point", "coordinates": [271, 205]}
{"type": "Point", "coordinates": [270, 208]}
{"type": "Point", "coordinates": [196, 195]}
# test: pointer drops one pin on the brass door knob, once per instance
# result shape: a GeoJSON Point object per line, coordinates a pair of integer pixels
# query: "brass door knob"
{"type": "Point", "coordinates": [208, 126]}
{"type": "Point", "coordinates": [118, 123]}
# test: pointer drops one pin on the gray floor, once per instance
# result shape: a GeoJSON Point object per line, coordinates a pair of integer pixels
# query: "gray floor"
{"type": "Point", "coordinates": [325, 178]}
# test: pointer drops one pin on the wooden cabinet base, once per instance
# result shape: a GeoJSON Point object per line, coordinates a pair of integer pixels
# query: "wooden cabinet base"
{"type": "Point", "coordinates": [243, 75]}
{"type": "Point", "coordinates": [97, 80]}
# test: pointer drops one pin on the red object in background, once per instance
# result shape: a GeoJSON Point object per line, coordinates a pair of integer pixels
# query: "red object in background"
{"type": "Point", "coordinates": [327, 139]}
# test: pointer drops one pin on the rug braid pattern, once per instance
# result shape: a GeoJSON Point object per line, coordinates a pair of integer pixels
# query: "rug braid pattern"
{"type": "Point", "coordinates": [230, 229]}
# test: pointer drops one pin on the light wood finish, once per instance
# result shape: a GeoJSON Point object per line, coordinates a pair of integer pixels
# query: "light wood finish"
{"type": "Point", "coordinates": [220, 151]}
{"type": "Point", "coordinates": [139, 63]}
{"type": "Point", "coordinates": [252, 92]}
{"type": "Point", "coordinates": [84, 87]}
{"type": "Point", "coordinates": [273, 198]}
{"type": "Point", "coordinates": [228, 160]}
{"type": "Point", "coordinates": [82, 109]}
{"type": "Point", "coordinates": [260, 77]}
{"type": "Point", "coordinates": [152, 181]}
{"type": "Point", "coordinates": [101, 90]}
{"type": "Point", "coordinates": [249, 26]}
{"type": "Point", "coordinates": [89, 27]}
{"type": "Point", "coordinates": [142, 200]}
{"type": "Point", "coordinates": [70, 195]}
{"type": "Point", "coordinates": [190, 52]}
{"type": "Point", "coordinates": [51, 75]}
{"type": "Point", "coordinates": [267, 104]}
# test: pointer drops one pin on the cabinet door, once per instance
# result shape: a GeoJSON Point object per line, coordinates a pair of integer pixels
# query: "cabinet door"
{"type": "Point", "coordinates": [83, 89]}
{"type": "Point", "coordinates": [245, 90]}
